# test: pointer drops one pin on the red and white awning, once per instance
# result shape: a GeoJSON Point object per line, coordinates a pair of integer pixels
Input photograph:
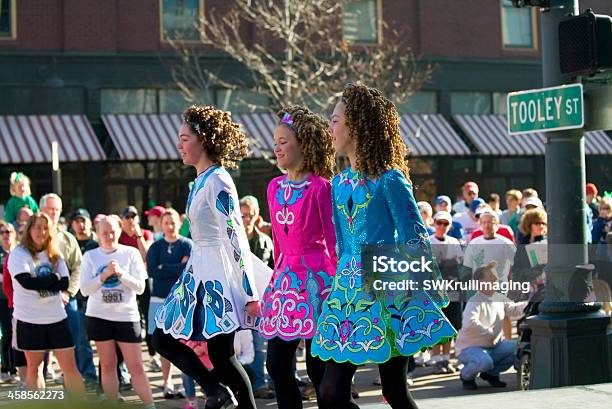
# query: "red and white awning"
{"type": "Point", "coordinates": [154, 136]}
{"type": "Point", "coordinates": [489, 134]}
{"type": "Point", "coordinates": [28, 138]}
{"type": "Point", "coordinates": [431, 135]}
{"type": "Point", "coordinates": [144, 136]}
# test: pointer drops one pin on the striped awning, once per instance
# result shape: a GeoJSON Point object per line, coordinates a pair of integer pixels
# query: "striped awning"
{"type": "Point", "coordinates": [153, 136]}
{"type": "Point", "coordinates": [431, 135]}
{"type": "Point", "coordinates": [144, 136]}
{"type": "Point", "coordinates": [260, 129]}
{"type": "Point", "coordinates": [28, 138]}
{"type": "Point", "coordinates": [489, 133]}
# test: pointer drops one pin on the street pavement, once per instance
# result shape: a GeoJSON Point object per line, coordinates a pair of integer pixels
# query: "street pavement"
{"type": "Point", "coordinates": [430, 391]}
{"type": "Point", "coordinates": [590, 396]}
{"type": "Point", "coordinates": [426, 386]}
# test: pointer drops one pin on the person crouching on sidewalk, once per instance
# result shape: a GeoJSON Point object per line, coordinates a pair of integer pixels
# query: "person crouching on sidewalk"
{"type": "Point", "coordinates": [480, 345]}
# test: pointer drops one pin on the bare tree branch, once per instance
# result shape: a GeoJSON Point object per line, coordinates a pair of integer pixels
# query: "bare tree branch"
{"type": "Point", "coordinates": [293, 53]}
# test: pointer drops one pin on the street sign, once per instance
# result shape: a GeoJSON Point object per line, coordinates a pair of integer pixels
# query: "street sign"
{"type": "Point", "coordinates": [546, 109]}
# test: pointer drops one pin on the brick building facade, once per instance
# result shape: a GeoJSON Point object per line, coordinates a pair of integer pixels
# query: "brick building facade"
{"type": "Point", "coordinates": [95, 58]}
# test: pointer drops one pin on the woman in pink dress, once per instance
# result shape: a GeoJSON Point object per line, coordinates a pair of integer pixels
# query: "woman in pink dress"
{"type": "Point", "coordinates": [304, 248]}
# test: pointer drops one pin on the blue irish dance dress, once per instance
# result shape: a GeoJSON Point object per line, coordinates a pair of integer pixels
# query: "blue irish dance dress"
{"type": "Point", "coordinates": [358, 324]}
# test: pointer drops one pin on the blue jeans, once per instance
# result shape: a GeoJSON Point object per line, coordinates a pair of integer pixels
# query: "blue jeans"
{"type": "Point", "coordinates": [84, 353]}
{"type": "Point", "coordinates": [257, 367]}
{"type": "Point", "coordinates": [493, 361]}
{"type": "Point", "coordinates": [189, 385]}
{"type": "Point", "coordinates": [73, 321]}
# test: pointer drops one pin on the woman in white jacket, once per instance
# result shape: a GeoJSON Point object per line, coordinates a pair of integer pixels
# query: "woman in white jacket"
{"type": "Point", "coordinates": [111, 276]}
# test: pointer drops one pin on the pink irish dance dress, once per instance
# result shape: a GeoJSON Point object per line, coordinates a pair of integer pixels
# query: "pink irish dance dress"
{"type": "Point", "coordinates": [304, 255]}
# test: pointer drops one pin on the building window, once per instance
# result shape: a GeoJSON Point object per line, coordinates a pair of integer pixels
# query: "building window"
{"type": "Point", "coordinates": [500, 103]}
{"type": "Point", "coordinates": [518, 29]}
{"type": "Point", "coordinates": [182, 19]}
{"type": "Point", "coordinates": [7, 19]}
{"type": "Point", "coordinates": [128, 101]}
{"type": "Point", "coordinates": [470, 103]}
{"type": "Point", "coordinates": [421, 102]}
{"type": "Point", "coordinates": [172, 101]}
{"type": "Point", "coordinates": [361, 21]}
{"type": "Point", "coordinates": [512, 165]}
{"type": "Point", "coordinates": [241, 101]}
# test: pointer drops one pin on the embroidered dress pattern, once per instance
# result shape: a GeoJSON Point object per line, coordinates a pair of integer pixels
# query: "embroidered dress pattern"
{"type": "Point", "coordinates": [288, 194]}
{"type": "Point", "coordinates": [209, 297]}
{"type": "Point", "coordinates": [357, 324]}
{"type": "Point", "coordinates": [305, 257]}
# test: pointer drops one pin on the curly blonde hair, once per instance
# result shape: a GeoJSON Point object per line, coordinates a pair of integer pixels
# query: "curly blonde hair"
{"type": "Point", "coordinates": [220, 137]}
{"type": "Point", "coordinates": [314, 138]}
{"type": "Point", "coordinates": [529, 218]}
{"type": "Point", "coordinates": [374, 122]}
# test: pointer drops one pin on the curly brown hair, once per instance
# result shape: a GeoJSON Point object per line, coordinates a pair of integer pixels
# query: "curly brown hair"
{"type": "Point", "coordinates": [314, 138]}
{"type": "Point", "coordinates": [49, 246]}
{"type": "Point", "coordinates": [374, 121]}
{"type": "Point", "coordinates": [529, 218]}
{"type": "Point", "coordinates": [220, 137]}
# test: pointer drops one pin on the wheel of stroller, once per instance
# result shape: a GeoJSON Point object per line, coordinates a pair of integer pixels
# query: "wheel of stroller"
{"type": "Point", "coordinates": [523, 372]}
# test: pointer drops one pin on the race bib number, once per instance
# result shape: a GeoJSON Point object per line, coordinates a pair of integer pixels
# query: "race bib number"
{"type": "Point", "coordinates": [112, 296]}
{"type": "Point", "coordinates": [44, 294]}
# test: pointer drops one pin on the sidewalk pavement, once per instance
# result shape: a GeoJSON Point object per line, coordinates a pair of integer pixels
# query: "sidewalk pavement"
{"type": "Point", "coordinates": [589, 396]}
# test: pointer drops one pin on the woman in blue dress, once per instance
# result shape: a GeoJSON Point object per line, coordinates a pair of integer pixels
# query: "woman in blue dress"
{"type": "Point", "coordinates": [373, 204]}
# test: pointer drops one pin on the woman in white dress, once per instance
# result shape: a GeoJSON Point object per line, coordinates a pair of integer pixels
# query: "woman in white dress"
{"type": "Point", "coordinates": [216, 294]}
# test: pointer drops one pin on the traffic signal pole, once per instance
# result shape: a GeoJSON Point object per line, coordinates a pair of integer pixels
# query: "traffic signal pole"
{"type": "Point", "coordinates": [570, 341]}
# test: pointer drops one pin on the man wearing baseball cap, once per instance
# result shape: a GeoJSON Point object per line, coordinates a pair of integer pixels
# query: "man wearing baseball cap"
{"type": "Point", "coordinates": [449, 256]}
{"type": "Point", "coordinates": [533, 203]}
{"type": "Point", "coordinates": [443, 204]}
{"type": "Point", "coordinates": [470, 192]}
{"type": "Point", "coordinates": [135, 236]}
{"type": "Point", "coordinates": [591, 199]}
{"type": "Point", "coordinates": [132, 234]}
{"type": "Point", "coordinates": [81, 226]}
{"type": "Point", "coordinates": [502, 230]}
{"type": "Point", "coordinates": [154, 216]}
{"type": "Point", "coordinates": [468, 219]}
{"type": "Point", "coordinates": [490, 246]}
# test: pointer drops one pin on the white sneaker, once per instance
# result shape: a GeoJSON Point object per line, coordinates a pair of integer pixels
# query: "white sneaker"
{"type": "Point", "coordinates": [102, 397]}
{"type": "Point", "coordinates": [50, 373]}
{"type": "Point", "coordinates": [5, 377]}
{"type": "Point", "coordinates": [434, 360]}
{"type": "Point", "coordinates": [168, 392]}
{"type": "Point", "coordinates": [154, 364]}
{"type": "Point", "coordinates": [422, 358]}
{"type": "Point", "coordinates": [179, 392]}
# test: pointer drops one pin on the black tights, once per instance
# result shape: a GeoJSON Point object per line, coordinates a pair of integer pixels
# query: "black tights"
{"type": "Point", "coordinates": [336, 384]}
{"type": "Point", "coordinates": [227, 369]}
{"type": "Point", "coordinates": [281, 355]}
